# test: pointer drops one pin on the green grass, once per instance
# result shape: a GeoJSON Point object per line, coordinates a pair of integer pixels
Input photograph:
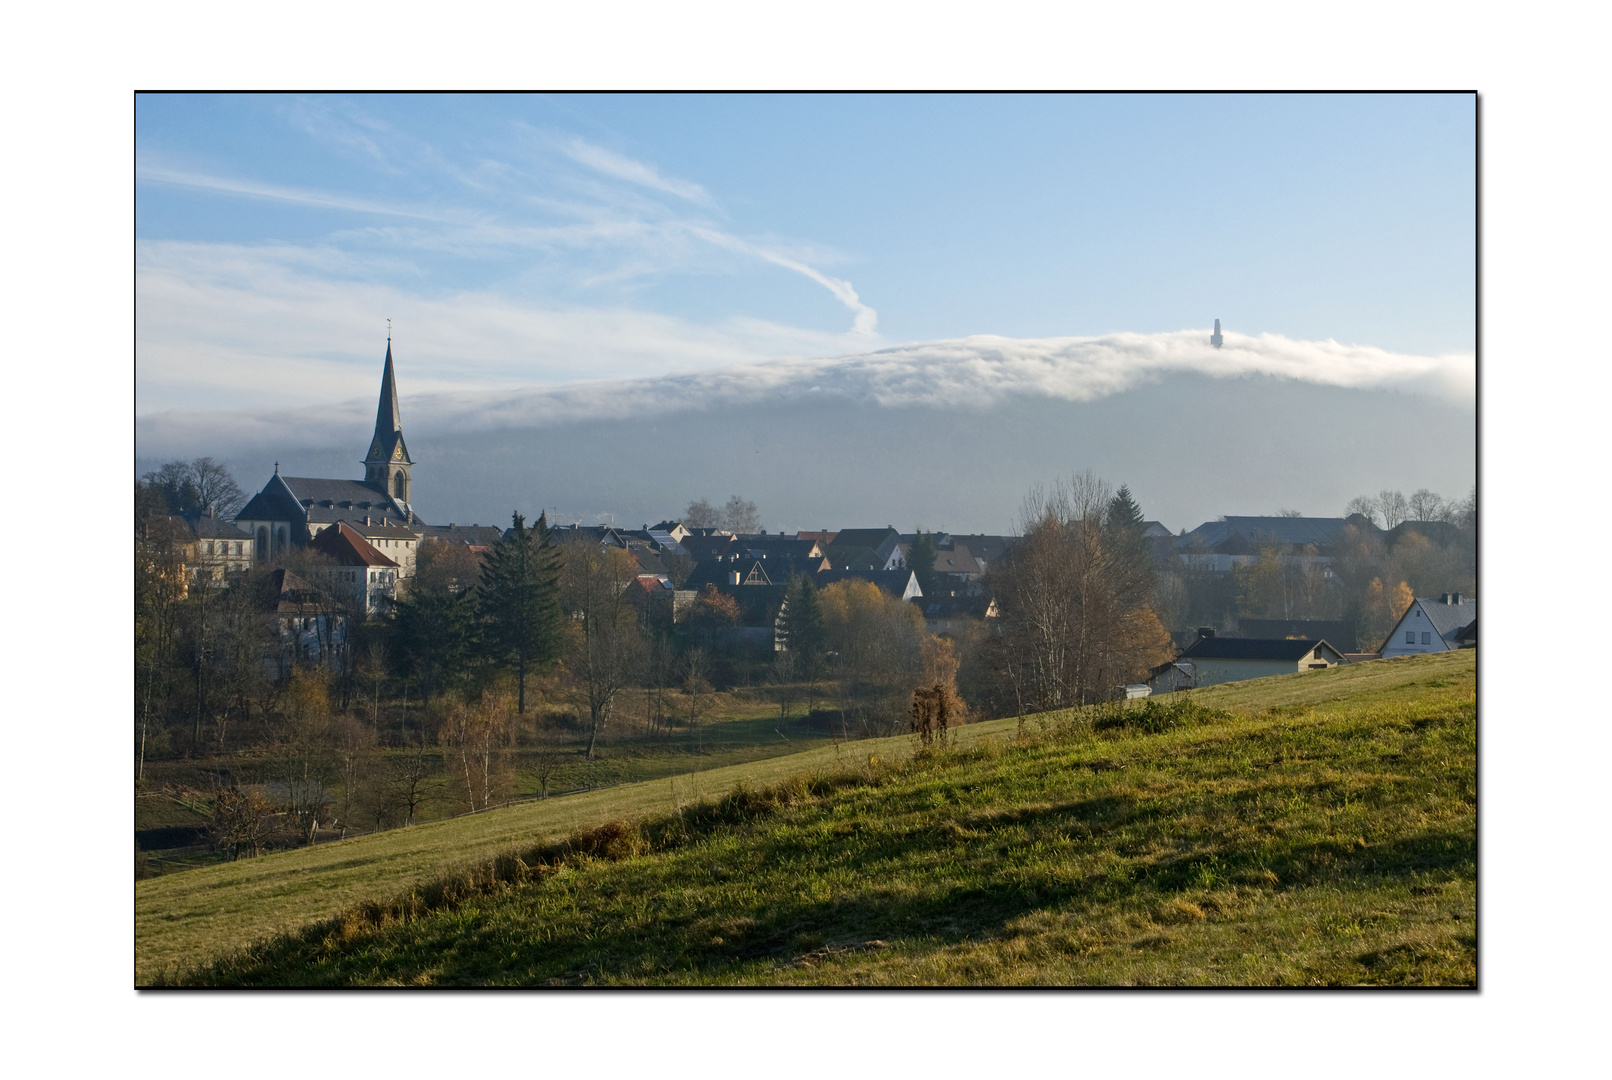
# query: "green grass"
{"type": "Point", "coordinates": [1307, 829]}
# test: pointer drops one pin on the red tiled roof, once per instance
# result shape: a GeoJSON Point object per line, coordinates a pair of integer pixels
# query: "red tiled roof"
{"type": "Point", "coordinates": [343, 544]}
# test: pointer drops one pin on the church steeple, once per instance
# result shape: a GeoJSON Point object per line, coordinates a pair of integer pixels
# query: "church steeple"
{"type": "Point", "coordinates": [386, 466]}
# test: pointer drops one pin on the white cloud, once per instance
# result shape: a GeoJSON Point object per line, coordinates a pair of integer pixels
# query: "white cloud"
{"type": "Point", "coordinates": [966, 373]}
{"type": "Point", "coordinates": [234, 326]}
{"type": "Point", "coordinates": [625, 168]}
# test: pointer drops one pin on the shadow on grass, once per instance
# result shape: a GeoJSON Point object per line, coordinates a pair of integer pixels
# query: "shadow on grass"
{"type": "Point", "coordinates": [595, 930]}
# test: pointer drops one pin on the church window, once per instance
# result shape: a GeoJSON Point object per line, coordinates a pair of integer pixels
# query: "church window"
{"type": "Point", "coordinates": [397, 485]}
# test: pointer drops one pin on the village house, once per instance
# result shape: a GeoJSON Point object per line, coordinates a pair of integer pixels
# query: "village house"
{"type": "Point", "coordinates": [1212, 660]}
{"type": "Point", "coordinates": [1433, 624]}
{"type": "Point", "coordinates": [364, 577]}
{"type": "Point", "coordinates": [216, 547]}
{"type": "Point", "coordinates": [306, 626]}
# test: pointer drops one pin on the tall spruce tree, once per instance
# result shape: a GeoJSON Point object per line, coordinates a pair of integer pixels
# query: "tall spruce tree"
{"type": "Point", "coordinates": [433, 629]}
{"type": "Point", "coordinates": [803, 625]}
{"type": "Point", "coordinates": [921, 561]}
{"type": "Point", "coordinates": [519, 600]}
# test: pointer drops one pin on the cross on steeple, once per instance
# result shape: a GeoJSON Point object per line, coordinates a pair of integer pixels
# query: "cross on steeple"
{"type": "Point", "coordinates": [386, 466]}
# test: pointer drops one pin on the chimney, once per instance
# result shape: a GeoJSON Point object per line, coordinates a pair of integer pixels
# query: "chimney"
{"type": "Point", "coordinates": [733, 577]}
{"type": "Point", "coordinates": [1455, 598]}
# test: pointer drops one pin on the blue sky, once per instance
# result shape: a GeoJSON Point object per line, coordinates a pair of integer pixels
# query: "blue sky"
{"type": "Point", "coordinates": [523, 241]}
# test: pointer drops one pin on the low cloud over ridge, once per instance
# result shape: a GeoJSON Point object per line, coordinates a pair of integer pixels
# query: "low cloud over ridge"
{"type": "Point", "coordinates": [965, 373]}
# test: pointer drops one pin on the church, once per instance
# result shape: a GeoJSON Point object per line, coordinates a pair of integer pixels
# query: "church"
{"type": "Point", "coordinates": [292, 511]}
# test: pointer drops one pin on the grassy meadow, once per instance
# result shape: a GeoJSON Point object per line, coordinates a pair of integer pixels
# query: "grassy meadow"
{"type": "Point", "coordinates": [1315, 829]}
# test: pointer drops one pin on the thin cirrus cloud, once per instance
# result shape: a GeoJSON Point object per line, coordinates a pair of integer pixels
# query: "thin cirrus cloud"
{"type": "Point", "coordinates": [609, 223]}
{"type": "Point", "coordinates": [967, 373]}
{"type": "Point", "coordinates": [625, 168]}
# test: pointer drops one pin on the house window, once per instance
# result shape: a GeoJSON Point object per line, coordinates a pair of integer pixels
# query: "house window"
{"type": "Point", "coordinates": [1427, 638]}
{"type": "Point", "coordinates": [1410, 637]}
{"type": "Point", "coordinates": [1318, 652]}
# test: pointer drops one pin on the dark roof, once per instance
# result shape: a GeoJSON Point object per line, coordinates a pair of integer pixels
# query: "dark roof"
{"type": "Point", "coordinates": [603, 535]}
{"type": "Point", "coordinates": [292, 498]}
{"type": "Point", "coordinates": [1439, 532]}
{"type": "Point", "coordinates": [775, 547]}
{"type": "Point", "coordinates": [1469, 632]}
{"type": "Point", "coordinates": [1448, 618]}
{"type": "Point", "coordinates": [463, 534]}
{"type": "Point", "coordinates": [1224, 648]}
{"type": "Point", "coordinates": [208, 527]}
{"type": "Point", "coordinates": [988, 549]}
{"type": "Point", "coordinates": [1339, 633]}
{"type": "Point", "coordinates": [894, 582]}
{"type": "Point", "coordinates": [957, 560]}
{"type": "Point", "coordinates": [752, 572]}
{"type": "Point", "coordinates": [701, 548]}
{"type": "Point", "coordinates": [649, 561]}
{"type": "Point", "coordinates": [344, 545]}
{"type": "Point", "coordinates": [951, 607]}
{"type": "Point", "coordinates": [1250, 532]}
{"type": "Point", "coordinates": [283, 591]}
{"type": "Point", "coordinates": [881, 541]}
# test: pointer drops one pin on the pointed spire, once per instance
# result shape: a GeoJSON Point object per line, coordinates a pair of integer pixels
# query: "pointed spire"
{"type": "Point", "coordinates": [387, 418]}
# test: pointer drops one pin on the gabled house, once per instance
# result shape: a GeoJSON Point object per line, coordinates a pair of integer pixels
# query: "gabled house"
{"type": "Point", "coordinates": [866, 549]}
{"type": "Point", "coordinates": [675, 529]}
{"type": "Point", "coordinates": [902, 584]}
{"type": "Point", "coordinates": [1248, 535]}
{"type": "Point", "coordinates": [948, 616]}
{"type": "Point", "coordinates": [1339, 632]}
{"type": "Point", "coordinates": [1432, 624]}
{"type": "Point", "coordinates": [217, 547]}
{"type": "Point", "coordinates": [361, 574]}
{"type": "Point", "coordinates": [1212, 660]}
{"type": "Point", "coordinates": [987, 549]}
{"type": "Point", "coordinates": [306, 624]}
{"type": "Point", "coordinates": [822, 536]}
{"type": "Point", "coordinates": [480, 538]}
{"type": "Point", "coordinates": [603, 535]}
{"type": "Point", "coordinates": [957, 564]}
{"type": "Point", "coordinates": [724, 573]}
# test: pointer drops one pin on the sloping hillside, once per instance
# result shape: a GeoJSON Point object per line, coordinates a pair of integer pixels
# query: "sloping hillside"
{"type": "Point", "coordinates": [1306, 829]}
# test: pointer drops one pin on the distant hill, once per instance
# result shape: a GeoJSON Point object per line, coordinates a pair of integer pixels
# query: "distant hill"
{"type": "Point", "coordinates": [1191, 448]}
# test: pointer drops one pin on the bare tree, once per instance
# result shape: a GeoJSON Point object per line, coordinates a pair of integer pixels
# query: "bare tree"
{"type": "Point", "coordinates": [1364, 505]}
{"type": "Point", "coordinates": [354, 746]}
{"type": "Point", "coordinates": [197, 485]}
{"type": "Point", "coordinates": [412, 785]}
{"type": "Point", "coordinates": [1076, 606]}
{"type": "Point", "coordinates": [1393, 507]}
{"type": "Point", "coordinates": [702, 515]}
{"type": "Point", "coordinates": [1426, 506]}
{"type": "Point", "coordinates": [472, 739]}
{"type": "Point", "coordinates": [604, 642]}
{"type": "Point", "coordinates": [216, 489]}
{"type": "Point", "coordinates": [546, 757]}
{"type": "Point", "coordinates": [739, 516]}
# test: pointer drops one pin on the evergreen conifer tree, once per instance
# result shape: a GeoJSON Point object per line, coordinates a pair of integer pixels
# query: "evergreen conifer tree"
{"type": "Point", "coordinates": [519, 600]}
{"type": "Point", "coordinates": [921, 561]}
{"type": "Point", "coordinates": [803, 625]}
